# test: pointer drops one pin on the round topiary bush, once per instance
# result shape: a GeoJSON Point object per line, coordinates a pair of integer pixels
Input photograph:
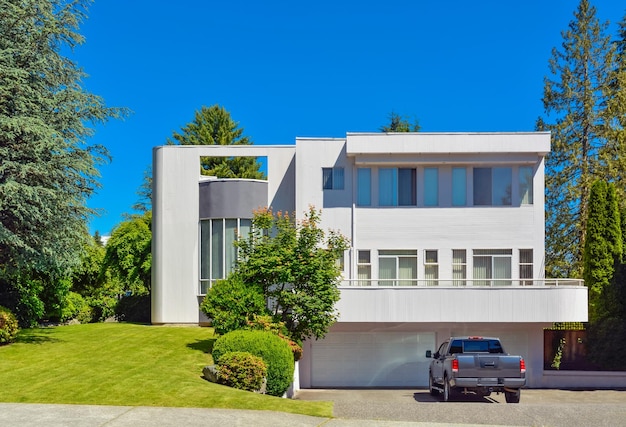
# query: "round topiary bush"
{"type": "Point", "coordinates": [242, 370]}
{"type": "Point", "coordinates": [8, 326]}
{"type": "Point", "coordinates": [274, 351]}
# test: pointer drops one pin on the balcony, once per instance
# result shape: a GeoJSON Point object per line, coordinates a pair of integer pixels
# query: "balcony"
{"type": "Point", "coordinates": [483, 300]}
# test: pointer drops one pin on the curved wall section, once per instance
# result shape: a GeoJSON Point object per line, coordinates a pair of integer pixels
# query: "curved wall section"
{"type": "Point", "coordinates": [231, 198]}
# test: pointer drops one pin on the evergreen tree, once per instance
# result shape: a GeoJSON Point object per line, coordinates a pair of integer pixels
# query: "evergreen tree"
{"type": "Point", "coordinates": [398, 123]}
{"type": "Point", "coordinates": [598, 256]}
{"type": "Point", "coordinates": [214, 126]}
{"type": "Point", "coordinates": [47, 169]}
{"type": "Point", "coordinates": [574, 98]}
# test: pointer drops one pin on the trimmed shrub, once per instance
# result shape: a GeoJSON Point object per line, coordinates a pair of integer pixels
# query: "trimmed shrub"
{"type": "Point", "coordinates": [242, 370]}
{"type": "Point", "coordinates": [230, 304]}
{"type": "Point", "coordinates": [266, 323]}
{"type": "Point", "coordinates": [8, 326]}
{"type": "Point", "coordinates": [274, 351]}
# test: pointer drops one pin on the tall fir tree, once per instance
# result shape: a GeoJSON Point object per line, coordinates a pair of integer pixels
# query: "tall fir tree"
{"type": "Point", "coordinates": [398, 123]}
{"type": "Point", "coordinates": [574, 96]}
{"type": "Point", "coordinates": [603, 247]}
{"type": "Point", "coordinates": [47, 168]}
{"type": "Point", "coordinates": [214, 126]}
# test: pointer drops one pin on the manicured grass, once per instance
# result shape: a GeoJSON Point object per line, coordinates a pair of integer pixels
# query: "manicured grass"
{"type": "Point", "coordinates": [125, 364]}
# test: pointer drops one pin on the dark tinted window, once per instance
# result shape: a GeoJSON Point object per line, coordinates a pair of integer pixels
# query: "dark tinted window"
{"type": "Point", "coordinates": [482, 346]}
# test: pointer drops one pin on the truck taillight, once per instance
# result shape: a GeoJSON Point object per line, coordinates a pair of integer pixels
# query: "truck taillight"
{"type": "Point", "coordinates": [522, 366]}
{"type": "Point", "coordinates": [455, 365]}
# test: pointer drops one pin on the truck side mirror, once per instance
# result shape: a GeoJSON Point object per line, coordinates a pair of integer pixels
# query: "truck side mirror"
{"type": "Point", "coordinates": [428, 354]}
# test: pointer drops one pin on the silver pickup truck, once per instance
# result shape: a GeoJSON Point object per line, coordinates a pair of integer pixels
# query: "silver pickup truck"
{"type": "Point", "coordinates": [475, 365]}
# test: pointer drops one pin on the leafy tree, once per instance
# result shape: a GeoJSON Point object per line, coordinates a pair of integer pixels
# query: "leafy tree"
{"type": "Point", "coordinates": [295, 264]}
{"type": "Point", "coordinates": [129, 253]}
{"type": "Point", "coordinates": [47, 169]}
{"type": "Point", "coordinates": [574, 97]}
{"type": "Point", "coordinates": [398, 123]}
{"type": "Point", "coordinates": [144, 204]}
{"type": "Point", "coordinates": [214, 126]}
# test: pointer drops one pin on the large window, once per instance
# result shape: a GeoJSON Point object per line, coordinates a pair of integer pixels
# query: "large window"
{"type": "Point", "coordinates": [364, 187]}
{"type": "Point", "coordinates": [526, 185]}
{"type": "Point", "coordinates": [332, 178]}
{"type": "Point", "coordinates": [492, 186]}
{"type": "Point", "coordinates": [492, 267]}
{"type": "Point", "coordinates": [459, 267]}
{"type": "Point", "coordinates": [397, 268]}
{"type": "Point", "coordinates": [431, 267]}
{"type": "Point", "coordinates": [431, 187]}
{"type": "Point", "coordinates": [364, 268]}
{"type": "Point", "coordinates": [218, 254]}
{"type": "Point", "coordinates": [526, 267]}
{"type": "Point", "coordinates": [396, 187]}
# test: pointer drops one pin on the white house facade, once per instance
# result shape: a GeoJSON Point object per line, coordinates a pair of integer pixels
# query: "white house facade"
{"type": "Point", "coordinates": [446, 238]}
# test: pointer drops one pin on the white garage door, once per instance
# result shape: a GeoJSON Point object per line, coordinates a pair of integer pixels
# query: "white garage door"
{"type": "Point", "coordinates": [371, 359]}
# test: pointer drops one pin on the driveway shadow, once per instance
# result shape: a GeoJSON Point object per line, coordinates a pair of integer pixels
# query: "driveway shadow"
{"type": "Point", "coordinates": [425, 397]}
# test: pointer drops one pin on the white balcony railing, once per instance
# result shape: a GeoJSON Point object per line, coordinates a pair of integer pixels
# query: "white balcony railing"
{"type": "Point", "coordinates": [455, 283]}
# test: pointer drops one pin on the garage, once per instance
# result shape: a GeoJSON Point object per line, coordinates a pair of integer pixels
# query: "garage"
{"type": "Point", "coordinates": [371, 359]}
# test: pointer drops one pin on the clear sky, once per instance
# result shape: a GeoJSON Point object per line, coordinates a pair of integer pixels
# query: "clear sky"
{"type": "Point", "coordinates": [321, 68]}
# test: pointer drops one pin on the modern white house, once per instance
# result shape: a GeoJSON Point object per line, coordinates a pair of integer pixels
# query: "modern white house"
{"type": "Point", "coordinates": [446, 238]}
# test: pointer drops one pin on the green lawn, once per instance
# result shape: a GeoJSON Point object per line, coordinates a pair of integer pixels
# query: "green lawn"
{"type": "Point", "coordinates": [125, 364]}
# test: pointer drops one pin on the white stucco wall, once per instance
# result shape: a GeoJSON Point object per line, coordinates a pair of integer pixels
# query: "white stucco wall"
{"type": "Point", "coordinates": [175, 234]}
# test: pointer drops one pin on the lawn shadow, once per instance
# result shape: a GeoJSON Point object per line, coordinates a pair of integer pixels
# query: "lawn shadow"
{"type": "Point", "coordinates": [205, 346]}
{"type": "Point", "coordinates": [35, 336]}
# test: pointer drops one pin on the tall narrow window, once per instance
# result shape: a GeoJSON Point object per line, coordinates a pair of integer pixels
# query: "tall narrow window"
{"type": "Point", "coordinates": [459, 187]}
{"type": "Point", "coordinates": [526, 185]}
{"type": "Point", "coordinates": [364, 187]}
{"type": "Point", "coordinates": [388, 187]}
{"type": "Point", "coordinates": [501, 186]}
{"type": "Point", "coordinates": [526, 267]}
{"type": "Point", "coordinates": [218, 254]}
{"type": "Point", "coordinates": [431, 267]}
{"type": "Point", "coordinates": [431, 187]}
{"type": "Point", "coordinates": [406, 187]}
{"type": "Point", "coordinates": [482, 186]}
{"type": "Point", "coordinates": [364, 268]}
{"type": "Point", "coordinates": [459, 267]}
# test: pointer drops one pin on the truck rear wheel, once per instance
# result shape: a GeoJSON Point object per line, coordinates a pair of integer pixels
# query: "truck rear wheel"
{"type": "Point", "coordinates": [512, 396]}
{"type": "Point", "coordinates": [447, 391]}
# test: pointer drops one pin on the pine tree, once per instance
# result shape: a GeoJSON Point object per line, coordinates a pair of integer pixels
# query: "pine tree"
{"type": "Point", "coordinates": [47, 168]}
{"type": "Point", "coordinates": [398, 123]}
{"type": "Point", "coordinates": [573, 100]}
{"type": "Point", "coordinates": [214, 126]}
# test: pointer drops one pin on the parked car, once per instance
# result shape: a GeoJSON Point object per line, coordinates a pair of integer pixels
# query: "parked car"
{"type": "Point", "coordinates": [475, 365]}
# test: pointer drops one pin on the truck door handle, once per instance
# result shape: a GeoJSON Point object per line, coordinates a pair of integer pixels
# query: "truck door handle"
{"type": "Point", "coordinates": [490, 364]}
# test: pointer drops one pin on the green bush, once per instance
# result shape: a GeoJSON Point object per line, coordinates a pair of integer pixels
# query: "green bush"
{"type": "Point", "coordinates": [8, 326]}
{"type": "Point", "coordinates": [133, 308]}
{"type": "Point", "coordinates": [274, 351]}
{"type": "Point", "coordinates": [74, 304]}
{"type": "Point", "coordinates": [242, 370]}
{"type": "Point", "coordinates": [230, 304]}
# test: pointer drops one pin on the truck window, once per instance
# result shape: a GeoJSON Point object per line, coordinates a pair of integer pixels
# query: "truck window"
{"type": "Point", "coordinates": [456, 347]}
{"type": "Point", "coordinates": [482, 346]}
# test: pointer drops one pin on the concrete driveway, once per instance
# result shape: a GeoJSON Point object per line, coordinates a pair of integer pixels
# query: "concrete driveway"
{"type": "Point", "coordinates": [538, 407]}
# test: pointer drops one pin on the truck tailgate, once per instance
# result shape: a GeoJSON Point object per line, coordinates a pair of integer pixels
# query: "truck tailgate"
{"type": "Point", "coordinates": [488, 366]}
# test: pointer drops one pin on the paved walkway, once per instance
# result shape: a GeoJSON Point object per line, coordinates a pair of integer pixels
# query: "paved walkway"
{"type": "Point", "coordinates": [37, 415]}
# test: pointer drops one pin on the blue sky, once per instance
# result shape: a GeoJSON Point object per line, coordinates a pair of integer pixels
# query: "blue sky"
{"type": "Point", "coordinates": [288, 68]}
